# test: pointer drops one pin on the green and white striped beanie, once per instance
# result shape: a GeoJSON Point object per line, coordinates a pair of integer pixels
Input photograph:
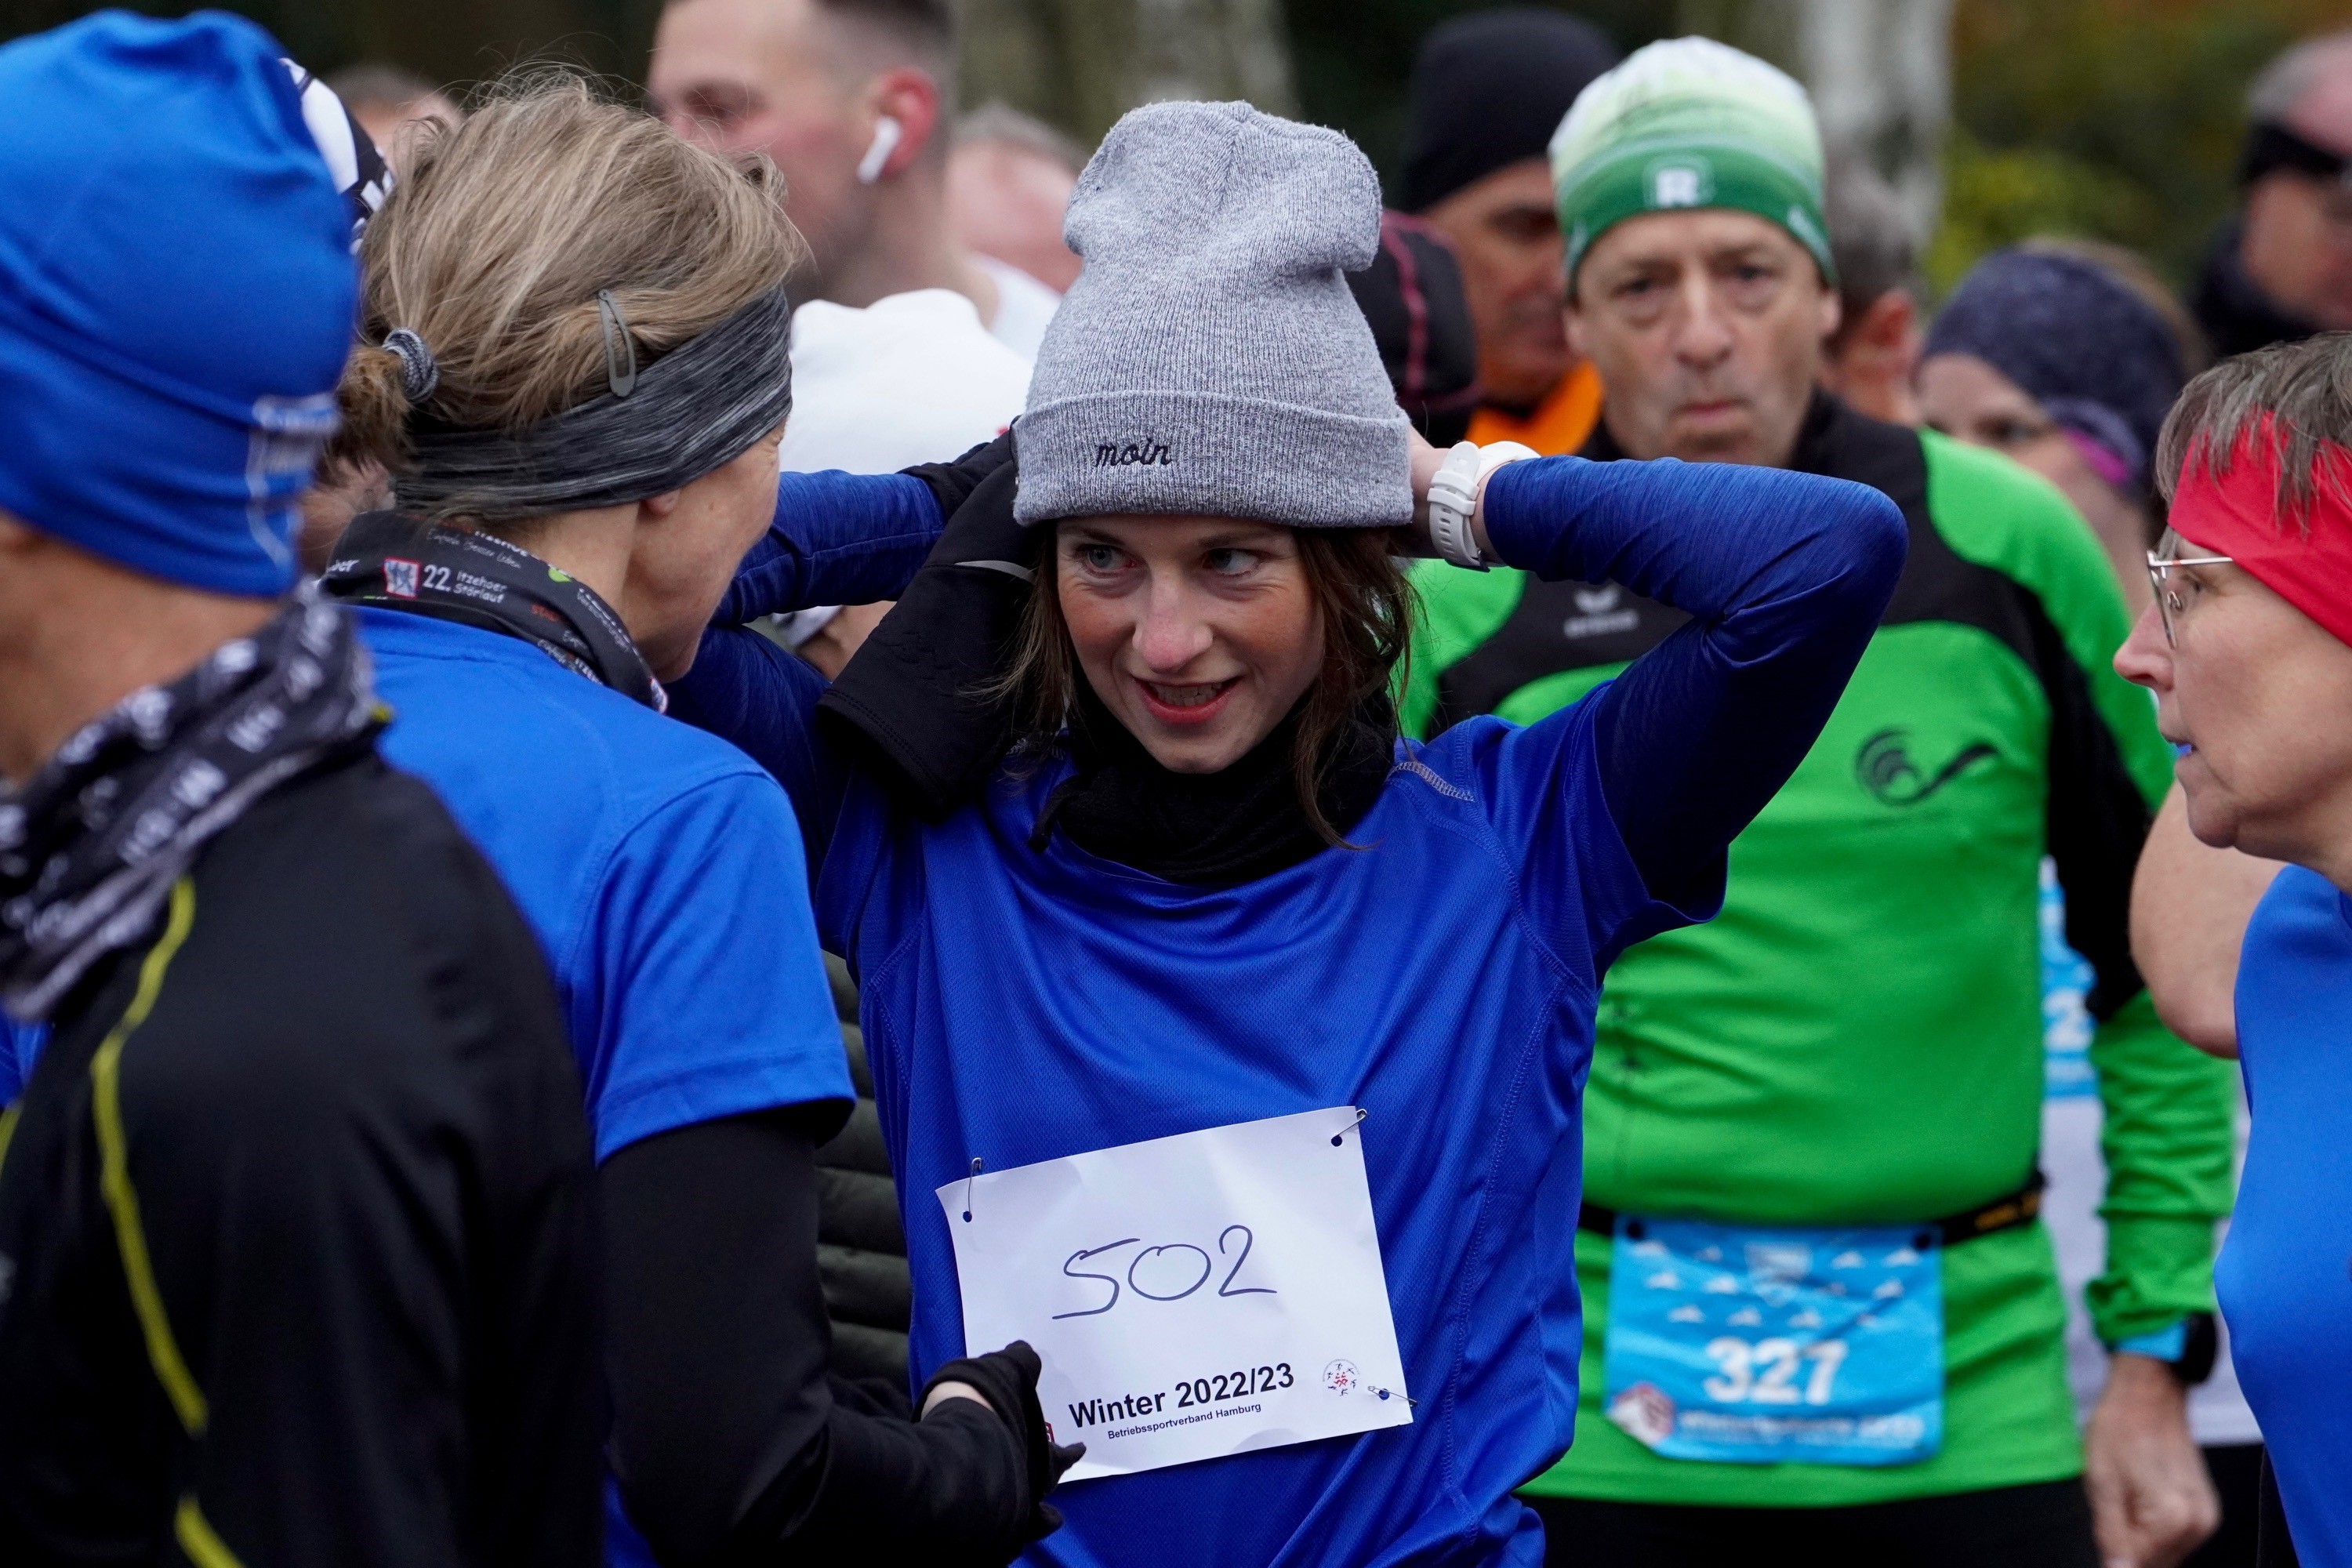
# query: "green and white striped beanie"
{"type": "Point", "coordinates": [1690, 123]}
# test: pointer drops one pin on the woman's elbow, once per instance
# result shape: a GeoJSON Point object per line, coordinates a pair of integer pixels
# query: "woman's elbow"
{"type": "Point", "coordinates": [2199, 1008]}
{"type": "Point", "coordinates": [1862, 551]}
{"type": "Point", "coordinates": [1881, 543]}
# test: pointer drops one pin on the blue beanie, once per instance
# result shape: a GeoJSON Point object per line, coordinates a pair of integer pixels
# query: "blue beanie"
{"type": "Point", "coordinates": [2097, 357]}
{"type": "Point", "coordinates": [176, 296]}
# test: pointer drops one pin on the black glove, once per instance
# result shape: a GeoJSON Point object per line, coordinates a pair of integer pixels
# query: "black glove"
{"type": "Point", "coordinates": [913, 707]}
{"type": "Point", "coordinates": [952, 483]}
{"type": "Point", "coordinates": [1007, 1379]}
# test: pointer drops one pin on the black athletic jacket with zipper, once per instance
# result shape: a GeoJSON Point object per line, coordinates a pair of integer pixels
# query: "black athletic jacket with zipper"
{"type": "Point", "coordinates": [295, 1238]}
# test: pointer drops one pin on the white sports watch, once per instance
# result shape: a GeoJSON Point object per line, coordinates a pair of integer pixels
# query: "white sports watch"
{"type": "Point", "coordinates": [1454, 498]}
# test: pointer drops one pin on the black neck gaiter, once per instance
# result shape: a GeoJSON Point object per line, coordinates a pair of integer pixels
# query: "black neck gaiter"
{"type": "Point", "coordinates": [392, 561]}
{"type": "Point", "coordinates": [1234, 825]}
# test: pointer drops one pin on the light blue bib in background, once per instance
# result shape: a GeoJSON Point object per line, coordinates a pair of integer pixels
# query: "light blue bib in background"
{"type": "Point", "coordinates": [2066, 981]}
{"type": "Point", "coordinates": [1753, 1345]}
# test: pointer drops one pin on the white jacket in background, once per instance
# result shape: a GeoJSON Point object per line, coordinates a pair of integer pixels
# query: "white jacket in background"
{"type": "Point", "coordinates": [914, 378]}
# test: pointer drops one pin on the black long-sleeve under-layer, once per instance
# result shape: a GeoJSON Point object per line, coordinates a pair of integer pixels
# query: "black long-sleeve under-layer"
{"type": "Point", "coordinates": [731, 1443]}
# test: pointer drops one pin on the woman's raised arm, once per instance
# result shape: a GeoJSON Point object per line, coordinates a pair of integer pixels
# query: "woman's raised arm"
{"type": "Point", "coordinates": [1784, 576]}
{"type": "Point", "coordinates": [850, 539]}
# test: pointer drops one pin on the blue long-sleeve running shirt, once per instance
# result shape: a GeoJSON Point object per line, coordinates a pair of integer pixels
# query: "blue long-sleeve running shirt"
{"type": "Point", "coordinates": [1023, 1005]}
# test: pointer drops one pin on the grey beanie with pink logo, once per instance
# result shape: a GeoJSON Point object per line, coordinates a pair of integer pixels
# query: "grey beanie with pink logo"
{"type": "Point", "coordinates": [1210, 360]}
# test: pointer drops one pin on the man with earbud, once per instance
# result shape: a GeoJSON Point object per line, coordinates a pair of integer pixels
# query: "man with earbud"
{"type": "Point", "coordinates": [854, 101]}
{"type": "Point", "coordinates": [906, 348]}
{"type": "Point", "coordinates": [893, 364]}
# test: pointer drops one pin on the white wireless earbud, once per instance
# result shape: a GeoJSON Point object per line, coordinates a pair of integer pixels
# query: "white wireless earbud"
{"type": "Point", "coordinates": [886, 132]}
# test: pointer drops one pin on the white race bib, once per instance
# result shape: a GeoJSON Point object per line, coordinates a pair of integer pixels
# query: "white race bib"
{"type": "Point", "coordinates": [1190, 1296]}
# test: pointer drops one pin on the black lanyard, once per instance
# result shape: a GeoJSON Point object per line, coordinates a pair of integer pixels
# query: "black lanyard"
{"type": "Point", "coordinates": [398, 562]}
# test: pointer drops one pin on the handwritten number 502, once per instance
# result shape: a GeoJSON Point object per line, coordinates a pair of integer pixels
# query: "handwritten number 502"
{"type": "Point", "coordinates": [1225, 1287]}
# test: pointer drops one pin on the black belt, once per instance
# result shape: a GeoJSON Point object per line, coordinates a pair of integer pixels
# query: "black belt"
{"type": "Point", "coordinates": [2007, 1211]}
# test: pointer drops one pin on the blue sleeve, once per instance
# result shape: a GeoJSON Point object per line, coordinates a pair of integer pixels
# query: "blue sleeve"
{"type": "Point", "coordinates": [707, 977]}
{"type": "Point", "coordinates": [1784, 576]}
{"type": "Point", "coordinates": [745, 689]}
{"type": "Point", "coordinates": [836, 539]}
{"type": "Point", "coordinates": [12, 1077]}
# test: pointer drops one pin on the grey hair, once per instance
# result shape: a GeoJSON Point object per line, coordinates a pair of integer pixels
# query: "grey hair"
{"type": "Point", "coordinates": [997, 120]}
{"type": "Point", "coordinates": [2304, 387]}
{"type": "Point", "coordinates": [1871, 235]}
{"type": "Point", "coordinates": [2284, 82]}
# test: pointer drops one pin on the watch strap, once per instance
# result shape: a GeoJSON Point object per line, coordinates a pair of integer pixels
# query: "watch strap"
{"type": "Point", "coordinates": [1452, 496]}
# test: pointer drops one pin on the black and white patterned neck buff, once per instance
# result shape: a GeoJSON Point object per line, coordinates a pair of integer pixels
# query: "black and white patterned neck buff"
{"type": "Point", "coordinates": [390, 562]}
{"type": "Point", "coordinates": [354, 162]}
{"type": "Point", "coordinates": [91, 845]}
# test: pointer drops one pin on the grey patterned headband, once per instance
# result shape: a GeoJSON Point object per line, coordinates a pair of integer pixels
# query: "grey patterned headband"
{"type": "Point", "coordinates": [695, 409]}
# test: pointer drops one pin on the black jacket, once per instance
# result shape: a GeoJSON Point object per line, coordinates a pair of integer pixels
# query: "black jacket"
{"type": "Point", "coordinates": [2236, 315]}
{"type": "Point", "coordinates": [295, 1238]}
{"type": "Point", "coordinates": [861, 1251]}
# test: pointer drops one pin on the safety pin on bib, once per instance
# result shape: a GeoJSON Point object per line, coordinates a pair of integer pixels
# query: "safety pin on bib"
{"type": "Point", "coordinates": [967, 1189]}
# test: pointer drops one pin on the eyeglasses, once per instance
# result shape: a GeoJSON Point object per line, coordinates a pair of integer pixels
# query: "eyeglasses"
{"type": "Point", "coordinates": [2161, 562]}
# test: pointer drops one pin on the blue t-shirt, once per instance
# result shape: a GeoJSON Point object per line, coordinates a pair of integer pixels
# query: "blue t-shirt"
{"type": "Point", "coordinates": [1022, 1005]}
{"type": "Point", "coordinates": [2282, 1275]}
{"type": "Point", "coordinates": [661, 868]}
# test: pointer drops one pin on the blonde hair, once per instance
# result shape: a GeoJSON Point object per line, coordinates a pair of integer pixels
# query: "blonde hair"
{"type": "Point", "coordinates": [501, 232]}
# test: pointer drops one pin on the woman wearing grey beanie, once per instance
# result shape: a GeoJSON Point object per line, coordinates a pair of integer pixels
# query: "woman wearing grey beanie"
{"type": "Point", "coordinates": [1230, 1047]}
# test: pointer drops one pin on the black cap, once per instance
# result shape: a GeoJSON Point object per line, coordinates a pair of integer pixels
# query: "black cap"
{"type": "Point", "coordinates": [1411, 295]}
{"type": "Point", "coordinates": [1489, 89]}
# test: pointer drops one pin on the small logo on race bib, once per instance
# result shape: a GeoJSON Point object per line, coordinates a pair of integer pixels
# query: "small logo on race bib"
{"type": "Point", "coordinates": [400, 578]}
{"type": "Point", "coordinates": [1341, 1377]}
{"type": "Point", "coordinates": [1645, 1413]}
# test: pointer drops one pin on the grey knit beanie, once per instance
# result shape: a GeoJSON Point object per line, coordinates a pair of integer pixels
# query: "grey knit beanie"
{"type": "Point", "coordinates": [1210, 360]}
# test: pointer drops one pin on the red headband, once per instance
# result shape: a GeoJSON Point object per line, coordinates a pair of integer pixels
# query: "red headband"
{"type": "Point", "coordinates": [2237, 515]}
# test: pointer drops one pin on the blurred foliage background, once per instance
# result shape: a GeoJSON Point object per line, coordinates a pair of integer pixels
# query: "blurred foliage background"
{"type": "Point", "coordinates": [2115, 120]}
{"type": "Point", "coordinates": [454, 41]}
{"type": "Point", "coordinates": [1351, 57]}
{"type": "Point", "coordinates": [2118, 120]}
